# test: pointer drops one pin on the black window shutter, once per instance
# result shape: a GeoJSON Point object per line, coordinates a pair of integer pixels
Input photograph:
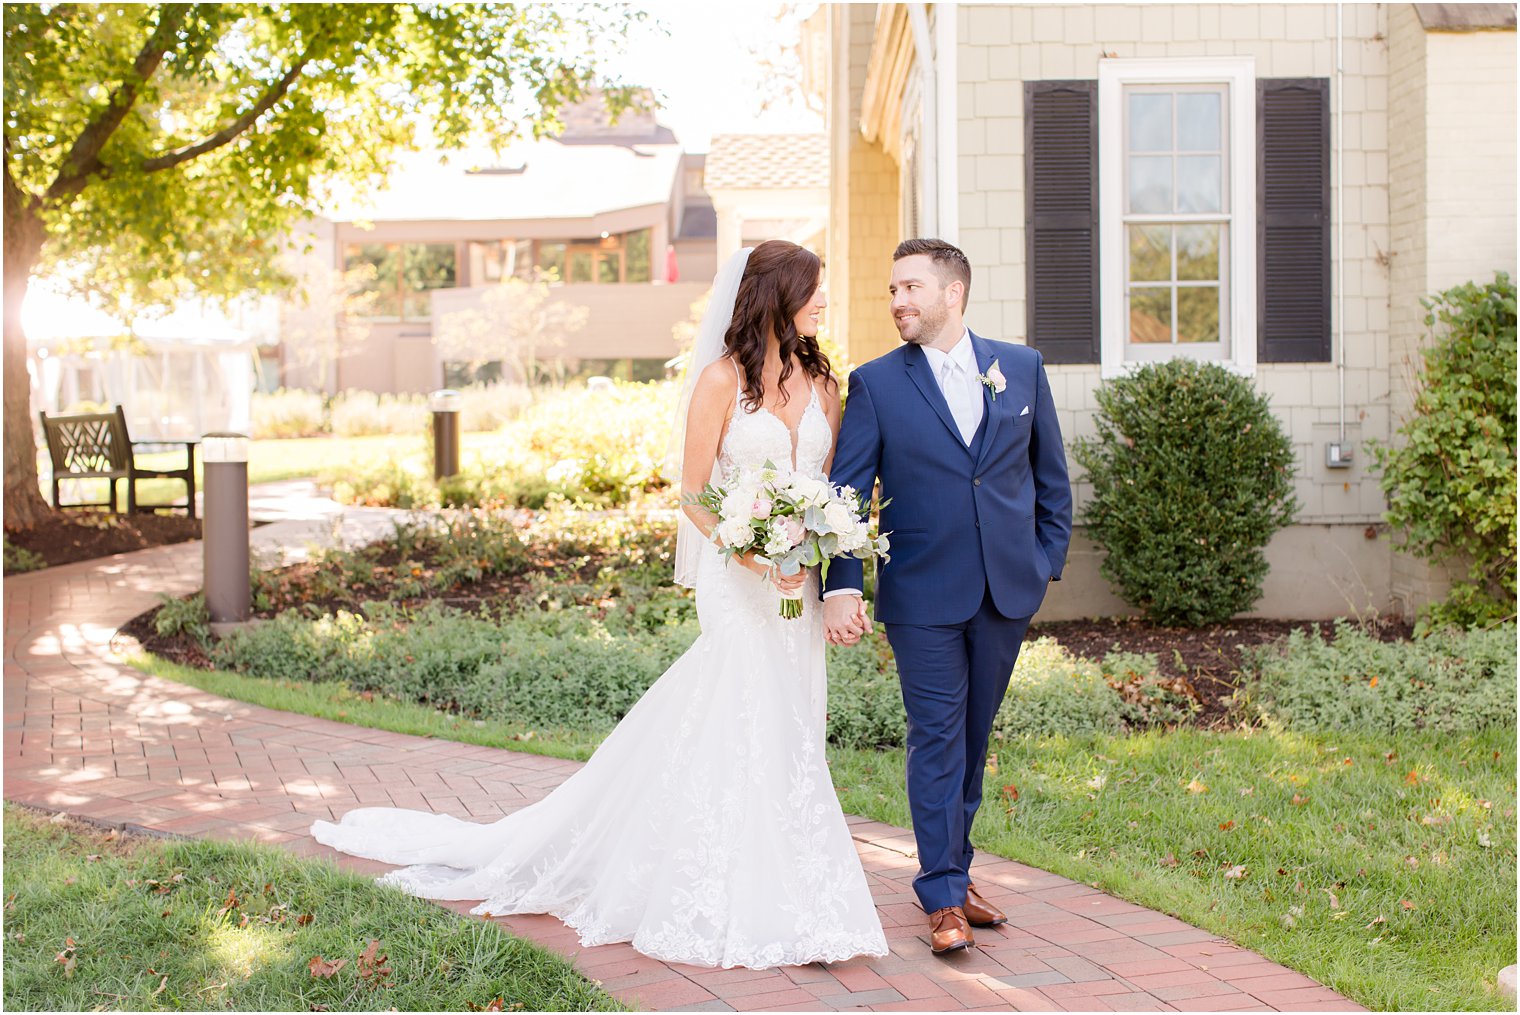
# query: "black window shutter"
{"type": "Point", "coordinates": [1061, 218]}
{"type": "Point", "coordinates": [1293, 220]}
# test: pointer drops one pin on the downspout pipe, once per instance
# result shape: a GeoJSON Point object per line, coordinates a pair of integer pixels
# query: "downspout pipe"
{"type": "Point", "coordinates": [928, 143]}
{"type": "Point", "coordinates": [1340, 218]}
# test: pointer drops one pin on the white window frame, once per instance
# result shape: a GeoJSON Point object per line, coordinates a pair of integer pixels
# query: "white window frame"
{"type": "Point", "coordinates": [1239, 74]}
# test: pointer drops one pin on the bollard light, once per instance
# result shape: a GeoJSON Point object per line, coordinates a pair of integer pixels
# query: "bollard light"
{"type": "Point", "coordinates": [225, 527]}
{"type": "Point", "coordinates": [444, 404]}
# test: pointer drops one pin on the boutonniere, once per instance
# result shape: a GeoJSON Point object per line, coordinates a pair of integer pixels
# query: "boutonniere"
{"type": "Point", "coordinates": [994, 380]}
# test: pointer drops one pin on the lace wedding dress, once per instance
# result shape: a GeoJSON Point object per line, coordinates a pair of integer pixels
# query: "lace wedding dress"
{"type": "Point", "coordinates": [705, 828]}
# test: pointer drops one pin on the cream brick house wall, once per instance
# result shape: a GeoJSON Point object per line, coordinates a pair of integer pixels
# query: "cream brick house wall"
{"type": "Point", "coordinates": [1436, 140]}
{"type": "Point", "coordinates": [1452, 143]}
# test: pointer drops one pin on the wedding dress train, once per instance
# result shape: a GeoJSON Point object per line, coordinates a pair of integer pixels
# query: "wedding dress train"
{"type": "Point", "coordinates": [705, 829]}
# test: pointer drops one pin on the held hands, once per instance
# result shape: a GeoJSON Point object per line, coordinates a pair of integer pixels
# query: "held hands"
{"type": "Point", "coordinates": [845, 619]}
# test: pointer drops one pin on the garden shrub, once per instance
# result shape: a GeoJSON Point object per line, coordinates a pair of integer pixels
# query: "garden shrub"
{"type": "Point", "coordinates": [360, 413]}
{"type": "Point", "coordinates": [187, 616]}
{"type": "Point", "coordinates": [1149, 699]}
{"type": "Point", "coordinates": [1191, 475]}
{"type": "Point", "coordinates": [1451, 484]}
{"type": "Point", "coordinates": [288, 412]}
{"type": "Point", "coordinates": [1451, 681]}
{"type": "Point", "coordinates": [490, 406]}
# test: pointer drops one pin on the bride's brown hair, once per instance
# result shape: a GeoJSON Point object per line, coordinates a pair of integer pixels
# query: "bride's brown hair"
{"type": "Point", "coordinates": [779, 280]}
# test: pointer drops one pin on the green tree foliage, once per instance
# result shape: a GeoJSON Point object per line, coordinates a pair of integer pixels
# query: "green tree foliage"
{"type": "Point", "coordinates": [1191, 475]}
{"type": "Point", "coordinates": [1451, 484]}
{"type": "Point", "coordinates": [158, 150]}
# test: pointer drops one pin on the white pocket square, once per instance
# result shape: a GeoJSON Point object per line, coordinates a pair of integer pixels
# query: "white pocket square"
{"type": "Point", "coordinates": [1024, 411]}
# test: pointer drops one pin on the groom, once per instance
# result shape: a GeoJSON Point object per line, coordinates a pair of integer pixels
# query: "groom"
{"type": "Point", "coordinates": [962, 434]}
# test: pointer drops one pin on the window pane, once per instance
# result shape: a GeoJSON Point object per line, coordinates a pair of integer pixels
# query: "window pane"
{"type": "Point", "coordinates": [551, 259]}
{"type": "Point", "coordinates": [580, 266]}
{"type": "Point", "coordinates": [1150, 253]}
{"type": "Point", "coordinates": [636, 266]}
{"type": "Point", "coordinates": [1199, 183]}
{"type": "Point", "coordinates": [1150, 183]}
{"type": "Point", "coordinates": [1198, 314]}
{"type": "Point", "coordinates": [376, 272]}
{"type": "Point", "coordinates": [425, 267]}
{"type": "Point", "coordinates": [1150, 315]}
{"type": "Point", "coordinates": [1150, 122]}
{"type": "Point", "coordinates": [609, 267]}
{"type": "Point", "coordinates": [1198, 253]}
{"type": "Point", "coordinates": [1198, 121]}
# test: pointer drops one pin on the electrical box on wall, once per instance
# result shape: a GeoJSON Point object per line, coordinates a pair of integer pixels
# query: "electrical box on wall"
{"type": "Point", "coordinates": [1337, 455]}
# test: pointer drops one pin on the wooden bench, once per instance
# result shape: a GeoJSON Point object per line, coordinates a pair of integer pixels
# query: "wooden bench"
{"type": "Point", "coordinates": [97, 446]}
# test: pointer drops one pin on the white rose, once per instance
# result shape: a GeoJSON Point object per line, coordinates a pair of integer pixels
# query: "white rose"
{"type": "Point", "coordinates": [840, 518]}
{"type": "Point", "coordinates": [736, 533]}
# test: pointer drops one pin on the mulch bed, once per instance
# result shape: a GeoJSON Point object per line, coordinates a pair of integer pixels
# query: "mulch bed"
{"type": "Point", "coordinates": [1209, 657]}
{"type": "Point", "coordinates": [69, 536]}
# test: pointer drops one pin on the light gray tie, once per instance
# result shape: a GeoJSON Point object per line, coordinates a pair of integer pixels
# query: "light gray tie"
{"type": "Point", "coordinates": [957, 397]}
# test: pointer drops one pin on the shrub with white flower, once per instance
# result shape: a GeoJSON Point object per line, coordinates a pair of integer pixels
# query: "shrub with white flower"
{"type": "Point", "coordinates": [791, 521]}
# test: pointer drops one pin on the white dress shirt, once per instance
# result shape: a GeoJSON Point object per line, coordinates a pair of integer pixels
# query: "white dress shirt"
{"type": "Point", "coordinates": [958, 380]}
{"type": "Point", "coordinates": [957, 375]}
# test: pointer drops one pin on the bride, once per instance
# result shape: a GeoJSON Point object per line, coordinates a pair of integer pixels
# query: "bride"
{"type": "Point", "coordinates": [705, 828]}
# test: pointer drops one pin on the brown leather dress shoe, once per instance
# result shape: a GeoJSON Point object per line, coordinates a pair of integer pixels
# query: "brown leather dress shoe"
{"type": "Point", "coordinates": [949, 931]}
{"type": "Point", "coordinates": [980, 912]}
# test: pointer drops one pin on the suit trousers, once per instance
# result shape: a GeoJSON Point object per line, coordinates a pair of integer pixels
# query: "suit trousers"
{"type": "Point", "coordinates": [953, 679]}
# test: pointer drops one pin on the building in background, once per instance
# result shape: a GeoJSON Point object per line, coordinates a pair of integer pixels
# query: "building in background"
{"type": "Point", "coordinates": [617, 214]}
{"type": "Point", "coordinates": [1270, 186]}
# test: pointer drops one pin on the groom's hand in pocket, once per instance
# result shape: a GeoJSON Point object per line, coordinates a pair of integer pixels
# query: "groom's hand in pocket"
{"type": "Point", "coordinates": [844, 619]}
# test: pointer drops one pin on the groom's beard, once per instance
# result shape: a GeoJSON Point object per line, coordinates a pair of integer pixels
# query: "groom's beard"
{"type": "Point", "coordinates": [922, 325]}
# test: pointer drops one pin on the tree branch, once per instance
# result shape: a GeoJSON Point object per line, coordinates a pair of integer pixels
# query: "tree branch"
{"type": "Point", "coordinates": [83, 158]}
{"type": "Point", "coordinates": [228, 133]}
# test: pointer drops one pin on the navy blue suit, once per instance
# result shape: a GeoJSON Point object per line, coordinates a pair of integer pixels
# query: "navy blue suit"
{"type": "Point", "coordinates": [977, 533]}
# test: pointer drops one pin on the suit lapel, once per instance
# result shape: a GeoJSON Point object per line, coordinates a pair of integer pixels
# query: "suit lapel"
{"type": "Point", "coordinates": [918, 370]}
{"type": "Point", "coordinates": [984, 358]}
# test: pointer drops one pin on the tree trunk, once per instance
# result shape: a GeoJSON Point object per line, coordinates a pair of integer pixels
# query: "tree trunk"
{"type": "Point", "coordinates": [24, 234]}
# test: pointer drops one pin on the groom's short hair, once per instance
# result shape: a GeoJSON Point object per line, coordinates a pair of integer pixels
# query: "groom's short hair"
{"type": "Point", "coordinates": [949, 262]}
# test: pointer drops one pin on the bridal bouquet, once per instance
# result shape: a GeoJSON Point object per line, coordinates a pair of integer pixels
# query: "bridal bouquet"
{"type": "Point", "coordinates": [791, 521]}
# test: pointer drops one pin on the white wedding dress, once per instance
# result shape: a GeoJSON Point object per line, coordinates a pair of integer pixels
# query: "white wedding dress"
{"type": "Point", "coordinates": [705, 828]}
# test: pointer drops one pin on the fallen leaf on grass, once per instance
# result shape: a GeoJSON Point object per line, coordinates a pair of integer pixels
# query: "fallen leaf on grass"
{"type": "Point", "coordinates": [1335, 902]}
{"type": "Point", "coordinates": [1236, 873]}
{"type": "Point", "coordinates": [304, 919]}
{"type": "Point", "coordinates": [1197, 787]}
{"type": "Point", "coordinates": [322, 969]}
{"type": "Point", "coordinates": [92, 857]}
{"type": "Point", "coordinates": [1299, 801]}
{"type": "Point", "coordinates": [1413, 778]}
{"type": "Point", "coordinates": [161, 985]}
{"type": "Point", "coordinates": [1406, 904]}
{"type": "Point", "coordinates": [372, 965]}
{"type": "Point", "coordinates": [1485, 841]}
{"type": "Point", "coordinates": [1247, 790]}
{"type": "Point", "coordinates": [65, 958]}
{"type": "Point", "coordinates": [1374, 923]}
{"type": "Point", "coordinates": [1170, 860]}
{"type": "Point", "coordinates": [1226, 826]}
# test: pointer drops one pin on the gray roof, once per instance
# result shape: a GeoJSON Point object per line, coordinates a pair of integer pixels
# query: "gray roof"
{"type": "Point", "coordinates": [767, 161]}
{"type": "Point", "coordinates": [1466, 17]}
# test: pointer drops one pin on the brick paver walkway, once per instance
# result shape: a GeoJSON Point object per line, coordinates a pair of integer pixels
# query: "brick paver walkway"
{"type": "Point", "coordinates": [93, 737]}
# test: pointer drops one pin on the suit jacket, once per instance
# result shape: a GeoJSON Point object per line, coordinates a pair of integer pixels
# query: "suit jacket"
{"type": "Point", "coordinates": [961, 520]}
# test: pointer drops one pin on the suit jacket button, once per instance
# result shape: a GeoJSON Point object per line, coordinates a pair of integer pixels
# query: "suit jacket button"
{"type": "Point", "coordinates": [977, 481]}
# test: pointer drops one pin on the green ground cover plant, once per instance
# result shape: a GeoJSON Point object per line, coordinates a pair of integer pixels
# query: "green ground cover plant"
{"type": "Point", "coordinates": [97, 920]}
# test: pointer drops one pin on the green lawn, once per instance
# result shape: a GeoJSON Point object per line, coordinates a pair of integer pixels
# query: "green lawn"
{"type": "Point", "coordinates": [273, 460]}
{"type": "Point", "coordinates": [1292, 845]}
{"type": "Point", "coordinates": [95, 921]}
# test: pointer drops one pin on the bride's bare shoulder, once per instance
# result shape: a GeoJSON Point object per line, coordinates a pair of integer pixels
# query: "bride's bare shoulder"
{"type": "Point", "coordinates": [717, 381]}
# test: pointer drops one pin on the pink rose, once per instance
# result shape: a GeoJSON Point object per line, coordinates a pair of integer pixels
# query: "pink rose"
{"type": "Point", "coordinates": [794, 530]}
{"type": "Point", "coordinates": [761, 509]}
